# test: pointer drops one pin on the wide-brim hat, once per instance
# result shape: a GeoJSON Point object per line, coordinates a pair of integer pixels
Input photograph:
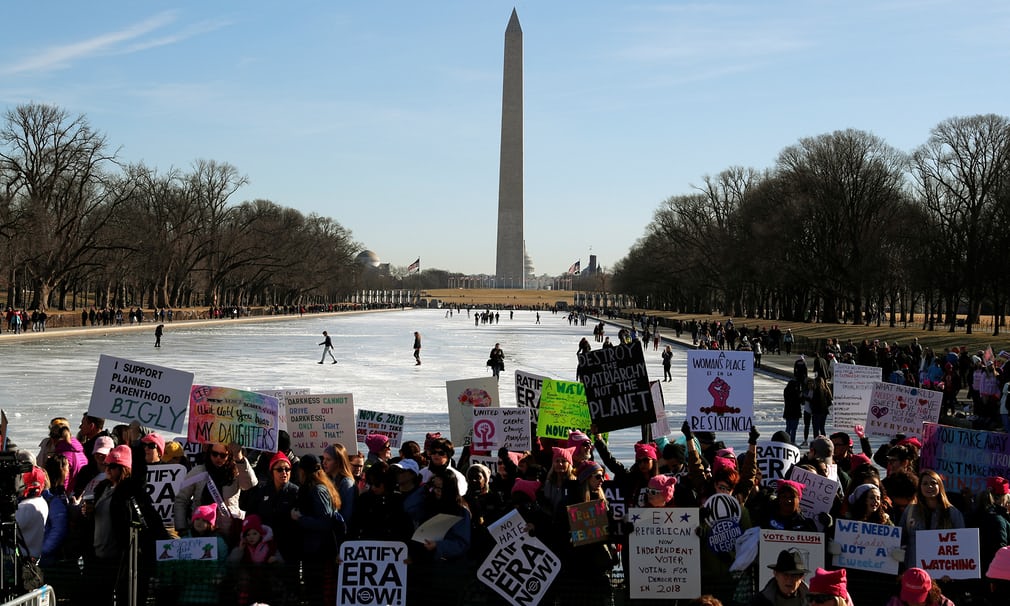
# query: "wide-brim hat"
{"type": "Point", "coordinates": [790, 561]}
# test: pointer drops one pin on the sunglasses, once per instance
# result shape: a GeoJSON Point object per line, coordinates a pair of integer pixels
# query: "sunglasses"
{"type": "Point", "coordinates": [282, 469]}
{"type": "Point", "coordinates": [652, 492]}
{"type": "Point", "coordinates": [597, 476]}
{"type": "Point", "coordinates": [115, 466]}
{"type": "Point", "coordinates": [820, 599]}
{"type": "Point", "coordinates": [218, 455]}
{"type": "Point", "coordinates": [439, 453]}
{"type": "Point", "coordinates": [150, 445]}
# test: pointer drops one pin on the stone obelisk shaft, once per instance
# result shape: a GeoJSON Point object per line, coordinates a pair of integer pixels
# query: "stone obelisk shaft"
{"type": "Point", "coordinates": [510, 271]}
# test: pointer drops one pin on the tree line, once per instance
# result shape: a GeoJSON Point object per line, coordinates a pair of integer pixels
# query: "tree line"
{"type": "Point", "coordinates": [844, 227]}
{"type": "Point", "coordinates": [80, 227]}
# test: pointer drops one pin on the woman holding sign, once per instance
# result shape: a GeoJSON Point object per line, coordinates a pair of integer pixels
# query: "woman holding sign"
{"type": "Point", "coordinates": [224, 472]}
{"type": "Point", "coordinates": [931, 510]}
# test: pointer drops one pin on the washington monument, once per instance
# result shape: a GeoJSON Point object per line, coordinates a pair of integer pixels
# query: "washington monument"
{"type": "Point", "coordinates": [510, 271]}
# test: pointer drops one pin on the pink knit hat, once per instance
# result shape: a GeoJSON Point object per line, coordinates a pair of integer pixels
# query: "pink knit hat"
{"type": "Point", "coordinates": [645, 451]}
{"type": "Point", "coordinates": [720, 463]}
{"type": "Point", "coordinates": [207, 513]}
{"type": "Point", "coordinates": [376, 442]}
{"type": "Point", "coordinates": [664, 483]}
{"type": "Point", "coordinates": [527, 487]}
{"type": "Point", "coordinates": [999, 568]}
{"type": "Point", "coordinates": [915, 585]}
{"type": "Point", "coordinates": [795, 486]}
{"type": "Point", "coordinates": [829, 583]}
{"type": "Point", "coordinates": [158, 441]}
{"type": "Point", "coordinates": [564, 453]}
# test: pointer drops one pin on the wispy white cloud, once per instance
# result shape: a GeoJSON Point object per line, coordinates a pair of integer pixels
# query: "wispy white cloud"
{"type": "Point", "coordinates": [133, 38]}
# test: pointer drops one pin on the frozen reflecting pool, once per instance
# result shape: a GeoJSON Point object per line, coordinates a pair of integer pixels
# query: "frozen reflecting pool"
{"type": "Point", "coordinates": [53, 377]}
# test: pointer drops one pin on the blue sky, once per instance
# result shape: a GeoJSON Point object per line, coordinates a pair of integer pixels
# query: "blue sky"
{"type": "Point", "coordinates": [386, 115]}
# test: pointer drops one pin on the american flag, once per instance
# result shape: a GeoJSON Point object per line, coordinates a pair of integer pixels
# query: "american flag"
{"type": "Point", "coordinates": [415, 266]}
{"type": "Point", "coordinates": [575, 268]}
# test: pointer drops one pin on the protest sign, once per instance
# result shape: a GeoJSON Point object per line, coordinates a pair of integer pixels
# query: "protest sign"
{"type": "Point", "coordinates": [664, 553]}
{"type": "Point", "coordinates": [435, 527]}
{"type": "Point", "coordinates": [154, 396]}
{"type": "Point", "coordinates": [851, 389]}
{"type": "Point", "coordinates": [372, 573]}
{"type": "Point", "coordinates": [810, 546]}
{"type": "Point", "coordinates": [775, 459]}
{"type": "Point", "coordinates": [520, 571]}
{"type": "Point", "coordinates": [898, 409]}
{"type": "Point", "coordinates": [587, 522]}
{"type": "Point", "coordinates": [497, 427]}
{"type": "Point", "coordinates": [528, 389]}
{"type": "Point", "coordinates": [661, 427]}
{"type": "Point", "coordinates": [721, 523]}
{"type": "Point", "coordinates": [964, 457]}
{"type": "Point", "coordinates": [194, 548]}
{"type": "Point", "coordinates": [507, 527]}
{"type": "Point", "coordinates": [163, 482]}
{"type": "Point", "coordinates": [617, 386]}
{"type": "Point", "coordinates": [950, 553]}
{"type": "Point", "coordinates": [614, 491]}
{"type": "Point", "coordinates": [282, 406]}
{"type": "Point", "coordinates": [316, 421]}
{"type": "Point", "coordinates": [464, 395]}
{"type": "Point", "coordinates": [818, 493]}
{"type": "Point", "coordinates": [867, 546]}
{"type": "Point", "coordinates": [192, 451]}
{"type": "Point", "coordinates": [222, 415]}
{"type": "Point", "coordinates": [385, 423]}
{"type": "Point", "coordinates": [720, 390]}
{"type": "Point", "coordinates": [562, 408]}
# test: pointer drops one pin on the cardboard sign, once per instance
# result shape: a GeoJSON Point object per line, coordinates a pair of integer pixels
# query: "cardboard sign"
{"type": "Point", "coordinates": [664, 553]}
{"type": "Point", "coordinates": [507, 527]}
{"type": "Point", "coordinates": [587, 522]}
{"type": "Point", "coordinates": [562, 408]}
{"type": "Point", "coordinates": [128, 391]}
{"type": "Point", "coordinates": [898, 409]}
{"type": "Point", "coordinates": [316, 421]}
{"type": "Point", "coordinates": [617, 386]}
{"type": "Point", "coordinates": [497, 427]}
{"type": "Point", "coordinates": [465, 395]}
{"type": "Point", "coordinates": [809, 544]}
{"type": "Point", "coordinates": [775, 459]}
{"type": "Point", "coordinates": [964, 457]}
{"type": "Point", "coordinates": [282, 406]}
{"type": "Point", "coordinates": [851, 390]}
{"type": "Point", "coordinates": [952, 553]}
{"type": "Point", "coordinates": [385, 423]}
{"type": "Point", "coordinates": [722, 522]}
{"type": "Point", "coordinates": [818, 493]}
{"type": "Point", "coordinates": [163, 482]}
{"type": "Point", "coordinates": [866, 546]}
{"type": "Point", "coordinates": [528, 389]}
{"type": "Point", "coordinates": [372, 573]}
{"type": "Point", "coordinates": [222, 415]}
{"type": "Point", "coordinates": [720, 390]}
{"type": "Point", "coordinates": [196, 548]}
{"type": "Point", "coordinates": [520, 571]}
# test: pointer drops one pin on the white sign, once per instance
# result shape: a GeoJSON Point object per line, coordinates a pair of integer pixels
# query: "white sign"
{"type": "Point", "coordinates": [818, 493]}
{"type": "Point", "coordinates": [950, 553]}
{"type": "Point", "coordinates": [435, 527]}
{"type": "Point", "coordinates": [463, 396]}
{"type": "Point", "coordinates": [316, 421]}
{"type": "Point", "coordinates": [497, 427]}
{"type": "Point", "coordinates": [155, 396]}
{"type": "Point", "coordinates": [520, 571]}
{"type": "Point", "coordinates": [898, 409]}
{"type": "Point", "coordinates": [720, 390]}
{"type": "Point", "coordinates": [194, 548]}
{"type": "Point", "coordinates": [507, 527]}
{"type": "Point", "coordinates": [810, 545]}
{"type": "Point", "coordinates": [372, 573]}
{"type": "Point", "coordinates": [851, 390]}
{"type": "Point", "coordinates": [384, 423]}
{"type": "Point", "coordinates": [664, 553]}
{"type": "Point", "coordinates": [163, 482]}
{"type": "Point", "coordinates": [282, 407]}
{"type": "Point", "coordinates": [775, 459]}
{"type": "Point", "coordinates": [528, 389]}
{"type": "Point", "coordinates": [661, 427]}
{"type": "Point", "coordinates": [867, 546]}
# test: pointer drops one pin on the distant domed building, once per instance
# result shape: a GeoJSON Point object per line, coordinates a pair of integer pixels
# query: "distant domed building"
{"type": "Point", "coordinates": [367, 258]}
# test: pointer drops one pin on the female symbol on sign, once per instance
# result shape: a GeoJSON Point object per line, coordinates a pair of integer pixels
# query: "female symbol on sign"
{"type": "Point", "coordinates": [484, 430]}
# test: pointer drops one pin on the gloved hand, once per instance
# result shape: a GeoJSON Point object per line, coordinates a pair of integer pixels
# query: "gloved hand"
{"type": "Point", "coordinates": [752, 437]}
{"type": "Point", "coordinates": [897, 554]}
{"type": "Point", "coordinates": [834, 548]}
{"type": "Point", "coordinates": [825, 519]}
{"type": "Point", "coordinates": [686, 430]}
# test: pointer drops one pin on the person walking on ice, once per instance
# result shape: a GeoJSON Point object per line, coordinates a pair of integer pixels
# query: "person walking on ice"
{"type": "Point", "coordinates": [160, 330]}
{"type": "Point", "coordinates": [417, 348]}
{"type": "Point", "coordinates": [327, 348]}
